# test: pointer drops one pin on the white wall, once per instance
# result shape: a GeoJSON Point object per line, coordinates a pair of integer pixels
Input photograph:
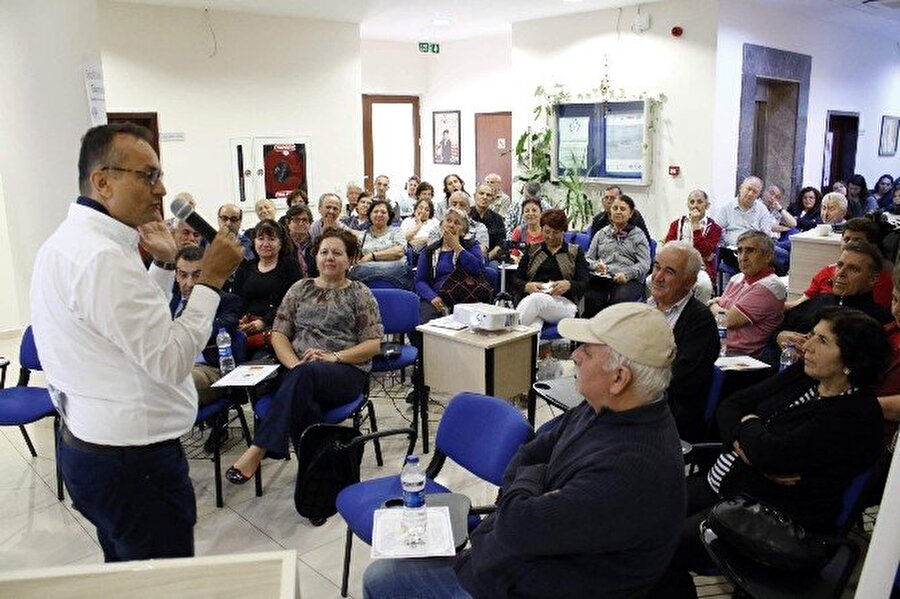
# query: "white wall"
{"type": "Point", "coordinates": [43, 113]}
{"type": "Point", "coordinates": [270, 76]}
{"type": "Point", "coordinates": [570, 51]}
{"type": "Point", "coordinates": [471, 76]}
{"type": "Point", "coordinates": [850, 72]}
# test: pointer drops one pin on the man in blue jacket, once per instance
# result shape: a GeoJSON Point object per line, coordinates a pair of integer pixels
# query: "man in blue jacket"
{"type": "Point", "coordinates": [592, 508]}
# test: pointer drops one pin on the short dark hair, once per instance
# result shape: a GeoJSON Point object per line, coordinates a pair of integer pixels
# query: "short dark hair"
{"type": "Point", "coordinates": [863, 344]}
{"type": "Point", "coordinates": [297, 193]}
{"type": "Point", "coordinates": [413, 178]}
{"type": "Point", "coordinates": [627, 199]}
{"type": "Point", "coordinates": [861, 224]}
{"type": "Point", "coordinates": [351, 243]}
{"type": "Point", "coordinates": [428, 203]}
{"type": "Point", "coordinates": [191, 253]}
{"type": "Point", "coordinates": [299, 209]}
{"type": "Point", "coordinates": [555, 219]}
{"type": "Point", "coordinates": [275, 230]}
{"type": "Point", "coordinates": [532, 189]}
{"type": "Point", "coordinates": [97, 147]}
{"type": "Point", "coordinates": [462, 184]}
{"type": "Point", "coordinates": [870, 250]}
{"type": "Point", "coordinates": [424, 186]}
{"type": "Point", "coordinates": [386, 204]}
{"type": "Point", "coordinates": [535, 201]}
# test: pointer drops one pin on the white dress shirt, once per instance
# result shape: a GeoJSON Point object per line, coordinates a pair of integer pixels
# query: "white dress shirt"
{"type": "Point", "coordinates": [117, 365]}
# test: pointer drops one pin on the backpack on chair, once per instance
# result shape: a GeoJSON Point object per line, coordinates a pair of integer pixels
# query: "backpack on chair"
{"type": "Point", "coordinates": [327, 461]}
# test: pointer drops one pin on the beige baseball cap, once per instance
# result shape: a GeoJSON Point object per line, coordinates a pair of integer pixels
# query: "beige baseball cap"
{"type": "Point", "coordinates": [633, 329]}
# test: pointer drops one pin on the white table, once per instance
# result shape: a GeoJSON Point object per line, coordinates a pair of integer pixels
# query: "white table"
{"type": "Point", "coordinates": [810, 252]}
{"type": "Point", "coordinates": [502, 364]}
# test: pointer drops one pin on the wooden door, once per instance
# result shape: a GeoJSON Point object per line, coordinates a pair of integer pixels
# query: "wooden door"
{"type": "Point", "coordinates": [493, 147]}
{"type": "Point", "coordinates": [398, 183]}
{"type": "Point", "coordinates": [843, 131]}
{"type": "Point", "coordinates": [150, 120]}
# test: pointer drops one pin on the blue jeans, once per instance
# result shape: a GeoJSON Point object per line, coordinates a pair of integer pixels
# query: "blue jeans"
{"type": "Point", "coordinates": [395, 274]}
{"type": "Point", "coordinates": [304, 394]}
{"type": "Point", "coordinates": [431, 578]}
{"type": "Point", "coordinates": [140, 498]}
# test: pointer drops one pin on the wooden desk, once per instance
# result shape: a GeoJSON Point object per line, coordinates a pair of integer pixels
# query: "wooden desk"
{"type": "Point", "coordinates": [810, 252]}
{"type": "Point", "coordinates": [502, 364]}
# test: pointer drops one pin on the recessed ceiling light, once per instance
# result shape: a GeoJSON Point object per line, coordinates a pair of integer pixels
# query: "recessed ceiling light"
{"type": "Point", "coordinates": [440, 21]}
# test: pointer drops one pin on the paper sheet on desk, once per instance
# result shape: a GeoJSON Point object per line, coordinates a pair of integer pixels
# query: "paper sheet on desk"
{"type": "Point", "coordinates": [386, 535]}
{"type": "Point", "coordinates": [246, 376]}
{"type": "Point", "coordinates": [447, 322]}
{"type": "Point", "coordinates": [740, 363]}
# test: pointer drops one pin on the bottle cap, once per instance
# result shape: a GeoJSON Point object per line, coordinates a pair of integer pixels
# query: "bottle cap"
{"type": "Point", "coordinates": [412, 459]}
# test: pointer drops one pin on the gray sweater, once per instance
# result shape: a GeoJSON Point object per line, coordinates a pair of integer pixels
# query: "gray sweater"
{"type": "Point", "coordinates": [628, 254]}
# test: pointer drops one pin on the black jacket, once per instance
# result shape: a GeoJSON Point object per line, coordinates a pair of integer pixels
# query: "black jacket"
{"type": "Point", "coordinates": [697, 339]}
{"type": "Point", "coordinates": [828, 442]}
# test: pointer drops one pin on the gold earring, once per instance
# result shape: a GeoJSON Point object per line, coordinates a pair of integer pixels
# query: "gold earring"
{"type": "Point", "coordinates": [846, 371]}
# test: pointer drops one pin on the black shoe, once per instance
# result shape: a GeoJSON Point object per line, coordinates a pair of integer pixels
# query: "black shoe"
{"type": "Point", "coordinates": [411, 398]}
{"type": "Point", "coordinates": [235, 476]}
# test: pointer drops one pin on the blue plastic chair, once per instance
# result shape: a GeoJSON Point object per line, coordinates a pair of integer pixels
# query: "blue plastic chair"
{"type": "Point", "coordinates": [478, 432]}
{"type": "Point", "coordinates": [549, 332]}
{"type": "Point", "coordinates": [21, 405]}
{"type": "Point", "coordinates": [400, 316]}
{"type": "Point", "coordinates": [582, 240]}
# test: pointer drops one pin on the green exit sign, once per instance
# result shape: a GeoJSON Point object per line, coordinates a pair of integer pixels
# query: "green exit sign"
{"type": "Point", "coordinates": [429, 48]}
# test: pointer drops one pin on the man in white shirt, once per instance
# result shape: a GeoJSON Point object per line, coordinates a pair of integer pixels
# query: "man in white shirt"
{"type": "Point", "coordinates": [744, 213]}
{"type": "Point", "coordinates": [118, 366]}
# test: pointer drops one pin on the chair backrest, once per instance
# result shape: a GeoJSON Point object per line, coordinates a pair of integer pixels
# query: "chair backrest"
{"type": "Point", "coordinates": [652, 243]}
{"type": "Point", "coordinates": [399, 310]}
{"type": "Point", "coordinates": [481, 434]}
{"type": "Point", "coordinates": [712, 398]}
{"type": "Point", "coordinates": [582, 240]}
{"type": "Point", "coordinates": [853, 500]}
{"type": "Point", "coordinates": [28, 356]}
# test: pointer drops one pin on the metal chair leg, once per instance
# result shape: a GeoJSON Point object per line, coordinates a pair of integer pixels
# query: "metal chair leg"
{"type": "Point", "coordinates": [345, 576]}
{"type": "Point", "coordinates": [374, 426]}
{"type": "Point", "coordinates": [60, 492]}
{"type": "Point", "coordinates": [218, 422]}
{"type": "Point", "coordinates": [257, 482]}
{"type": "Point", "coordinates": [28, 441]}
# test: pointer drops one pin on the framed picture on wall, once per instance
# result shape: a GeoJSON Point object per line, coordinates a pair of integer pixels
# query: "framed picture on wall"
{"type": "Point", "coordinates": [446, 136]}
{"type": "Point", "coordinates": [887, 146]}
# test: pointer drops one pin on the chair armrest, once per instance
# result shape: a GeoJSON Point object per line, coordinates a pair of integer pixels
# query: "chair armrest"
{"type": "Point", "coordinates": [483, 510]}
{"type": "Point", "coordinates": [409, 432]}
{"type": "Point", "coordinates": [4, 364]}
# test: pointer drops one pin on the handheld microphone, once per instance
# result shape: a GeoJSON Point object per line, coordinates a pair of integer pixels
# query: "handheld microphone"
{"type": "Point", "coordinates": [182, 210]}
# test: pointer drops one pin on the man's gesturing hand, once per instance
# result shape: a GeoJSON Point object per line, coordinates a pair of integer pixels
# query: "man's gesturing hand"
{"type": "Point", "coordinates": [158, 241]}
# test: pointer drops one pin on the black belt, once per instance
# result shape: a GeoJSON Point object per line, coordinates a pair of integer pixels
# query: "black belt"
{"type": "Point", "coordinates": [73, 441]}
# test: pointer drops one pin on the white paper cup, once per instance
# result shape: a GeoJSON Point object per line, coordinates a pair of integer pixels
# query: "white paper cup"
{"type": "Point", "coordinates": [823, 230]}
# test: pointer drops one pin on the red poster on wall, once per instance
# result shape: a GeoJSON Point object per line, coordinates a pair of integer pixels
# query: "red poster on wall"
{"type": "Point", "coordinates": [285, 169]}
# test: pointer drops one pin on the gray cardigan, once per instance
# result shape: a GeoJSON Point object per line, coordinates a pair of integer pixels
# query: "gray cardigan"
{"type": "Point", "coordinates": [629, 255]}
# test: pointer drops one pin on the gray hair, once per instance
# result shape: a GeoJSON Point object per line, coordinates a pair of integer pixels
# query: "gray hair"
{"type": "Point", "coordinates": [837, 198]}
{"type": "Point", "coordinates": [330, 194]}
{"type": "Point", "coordinates": [768, 246]}
{"type": "Point", "coordinates": [461, 216]}
{"type": "Point", "coordinates": [694, 262]}
{"type": "Point", "coordinates": [461, 193]}
{"type": "Point", "coordinates": [649, 381]}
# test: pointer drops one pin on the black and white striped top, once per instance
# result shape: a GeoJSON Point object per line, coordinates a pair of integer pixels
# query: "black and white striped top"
{"type": "Point", "coordinates": [726, 461]}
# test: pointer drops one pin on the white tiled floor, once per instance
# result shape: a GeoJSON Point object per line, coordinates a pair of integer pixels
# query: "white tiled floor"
{"type": "Point", "coordinates": [37, 530]}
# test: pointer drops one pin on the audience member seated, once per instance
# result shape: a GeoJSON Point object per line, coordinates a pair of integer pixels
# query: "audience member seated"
{"type": "Point", "coordinates": [329, 213]}
{"type": "Point", "coordinates": [230, 215]}
{"type": "Point", "coordinates": [754, 298]}
{"type": "Point", "coordinates": [452, 184]}
{"type": "Point", "coordinates": [859, 202]}
{"type": "Point", "coordinates": [327, 331]}
{"type": "Point", "coordinates": [782, 220]}
{"type": "Point", "coordinates": [383, 250]}
{"type": "Point", "coordinates": [701, 230]}
{"type": "Point", "coordinates": [839, 187]}
{"type": "Point", "coordinates": [744, 213]}
{"type": "Point", "coordinates": [298, 220]}
{"type": "Point", "coordinates": [501, 200]}
{"type": "Point", "coordinates": [620, 256]}
{"type": "Point", "coordinates": [794, 441]}
{"type": "Point", "coordinates": [856, 229]}
{"type": "Point", "coordinates": [262, 283]}
{"type": "Point", "coordinates": [696, 336]}
{"type": "Point", "coordinates": [552, 276]}
{"type": "Point", "coordinates": [407, 200]}
{"type": "Point", "coordinates": [529, 232]}
{"type": "Point", "coordinates": [602, 218]}
{"type": "Point", "coordinates": [440, 259]}
{"type": "Point", "coordinates": [425, 191]}
{"type": "Point", "coordinates": [205, 372]}
{"type": "Point", "coordinates": [807, 208]}
{"type": "Point", "coordinates": [855, 273]}
{"type": "Point", "coordinates": [359, 220]}
{"type": "Point", "coordinates": [592, 508]}
{"type": "Point", "coordinates": [419, 226]}
{"type": "Point", "coordinates": [298, 196]}
{"type": "Point", "coordinates": [834, 209]}
{"type": "Point", "coordinates": [894, 207]}
{"type": "Point", "coordinates": [352, 194]}
{"type": "Point", "coordinates": [381, 187]}
{"type": "Point", "coordinates": [513, 218]}
{"type": "Point", "coordinates": [477, 231]}
{"type": "Point", "coordinates": [481, 213]}
{"type": "Point", "coordinates": [883, 192]}
{"type": "Point", "coordinates": [265, 209]}
{"type": "Point", "coordinates": [185, 235]}
{"type": "Point", "coordinates": [889, 392]}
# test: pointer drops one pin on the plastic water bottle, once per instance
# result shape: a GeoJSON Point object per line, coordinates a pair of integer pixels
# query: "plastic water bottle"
{"type": "Point", "coordinates": [788, 356]}
{"type": "Point", "coordinates": [723, 332]}
{"type": "Point", "coordinates": [414, 520]}
{"type": "Point", "coordinates": [226, 360]}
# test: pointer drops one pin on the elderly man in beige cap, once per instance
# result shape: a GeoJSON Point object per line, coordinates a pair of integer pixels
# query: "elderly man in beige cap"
{"type": "Point", "coordinates": [593, 507]}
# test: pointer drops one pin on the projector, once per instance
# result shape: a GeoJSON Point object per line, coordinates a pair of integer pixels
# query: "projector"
{"type": "Point", "coordinates": [485, 317]}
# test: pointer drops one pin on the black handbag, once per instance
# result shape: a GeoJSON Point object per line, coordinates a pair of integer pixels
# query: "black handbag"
{"type": "Point", "coordinates": [464, 288]}
{"type": "Point", "coordinates": [769, 536]}
{"type": "Point", "coordinates": [327, 461]}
